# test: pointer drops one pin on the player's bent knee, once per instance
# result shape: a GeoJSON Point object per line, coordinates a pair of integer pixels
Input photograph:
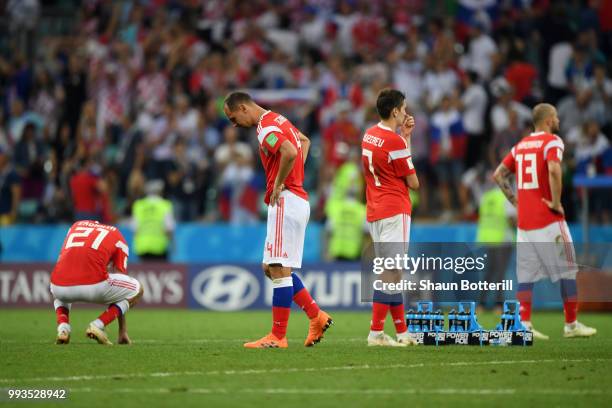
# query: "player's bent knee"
{"type": "Point", "coordinates": [134, 300]}
{"type": "Point", "coordinates": [266, 270]}
{"type": "Point", "coordinates": [279, 271]}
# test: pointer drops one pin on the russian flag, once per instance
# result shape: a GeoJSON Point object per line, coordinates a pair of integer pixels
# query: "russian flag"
{"type": "Point", "coordinates": [447, 123]}
{"type": "Point", "coordinates": [470, 11]}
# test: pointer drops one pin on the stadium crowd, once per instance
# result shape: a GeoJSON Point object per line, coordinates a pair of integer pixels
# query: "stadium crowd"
{"type": "Point", "coordinates": [132, 92]}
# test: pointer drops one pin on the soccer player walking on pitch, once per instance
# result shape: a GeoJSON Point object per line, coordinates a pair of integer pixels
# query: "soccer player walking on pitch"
{"type": "Point", "coordinates": [81, 274]}
{"type": "Point", "coordinates": [389, 173]}
{"type": "Point", "coordinates": [544, 244]}
{"type": "Point", "coordinates": [283, 150]}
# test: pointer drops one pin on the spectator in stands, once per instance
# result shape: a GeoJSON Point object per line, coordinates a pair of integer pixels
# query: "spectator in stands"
{"type": "Point", "coordinates": [19, 119]}
{"type": "Point", "coordinates": [183, 183]}
{"type": "Point", "coordinates": [522, 76]}
{"type": "Point", "coordinates": [339, 136]}
{"type": "Point", "coordinates": [473, 106]}
{"type": "Point", "coordinates": [579, 70]}
{"type": "Point", "coordinates": [500, 120]}
{"type": "Point", "coordinates": [74, 90]}
{"type": "Point", "coordinates": [10, 189]}
{"type": "Point", "coordinates": [559, 57]}
{"type": "Point", "coordinates": [88, 190]}
{"type": "Point", "coordinates": [439, 82]}
{"type": "Point", "coordinates": [481, 49]}
{"type": "Point", "coordinates": [234, 164]}
{"type": "Point", "coordinates": [29, 157]}
{"type": "Point", "coordinates": [505, 139]}
{"type": "Point", "coordinates": [601, 87]}
{"type": "Point", "coordinates": [407, 73]}
{"type": "Point", "coordinates": [588, 144]}
{"type": "Point", "coordinates": [575, 110]}
{"type": "Point", "coordinates": [448, 148]}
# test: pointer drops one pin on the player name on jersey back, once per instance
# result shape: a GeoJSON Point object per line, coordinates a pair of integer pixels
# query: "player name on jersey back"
{"type": "Point", "coordinates": [373, 140]}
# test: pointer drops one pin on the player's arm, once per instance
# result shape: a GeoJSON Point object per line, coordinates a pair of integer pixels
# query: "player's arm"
{"type": "Point", "coordinates": [288, 154]}
{"type": "Point", "coordinates": [305, 145]}
{"type": "Point", "coordinates": [413, 181]}
{"type": "Point", "coordinates": [553, 154]}
{"type": "Point", "coordinates": [120, 257]}
{"type": "Point", "coordinates": [401, 160]}
{"type": "Point", "coordinates": [555, 175]}
{"type": "Point", "coordinates": [503, 177]}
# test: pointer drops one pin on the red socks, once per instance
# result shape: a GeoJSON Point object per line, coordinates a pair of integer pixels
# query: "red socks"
{"type": "Point", "coordinates": [525, 311]}
{"type": "Point", "coordinates": [571, 310]}
{"type": "Point", "coordinates": [62, 314]}
{"type": "Point", "coordinates": [399, 318]}
{"type": "Point", "coordinates": [306, 303]}
{"type": "Point", "coordinates": [379, 314]}
{"type": "Point", "coordinates": [110, 314]}
{"type": "Point", "coordinates": [280, 320]}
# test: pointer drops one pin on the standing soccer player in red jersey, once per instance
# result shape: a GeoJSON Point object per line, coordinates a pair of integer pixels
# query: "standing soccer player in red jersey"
{"type": "Point", "coordinates": [283, 150]}
{"type": "Point", "coordinates": [389, 174]}
{"type": "Point", "coordinates": [81, 274]}
{"type": "Point", "coordinates": [545, 247]}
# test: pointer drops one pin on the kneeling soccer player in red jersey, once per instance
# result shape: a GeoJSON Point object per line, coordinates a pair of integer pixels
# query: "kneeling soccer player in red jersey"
{"type": "Point", "coordinates": [81, 274]}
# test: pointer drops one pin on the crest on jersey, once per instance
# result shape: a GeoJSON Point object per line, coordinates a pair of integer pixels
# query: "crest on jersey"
{"type": "Point", "coordinates": [271, 139]}
{"type": "Point", "coordinates": [280, 119]}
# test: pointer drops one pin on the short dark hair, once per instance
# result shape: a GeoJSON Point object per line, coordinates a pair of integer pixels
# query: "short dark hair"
{"type": "Point", "coordinates": [388, 99]}
{"type": "Point", "coordinates": [236, 98]}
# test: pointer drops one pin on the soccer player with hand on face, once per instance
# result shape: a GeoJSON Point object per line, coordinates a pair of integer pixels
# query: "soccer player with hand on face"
{"type": "Point", "coordinates": [544, 245]}
{"type": "Point", "coordinates": [81, 274]}
{"type": "Point", "coordinates": [389, 174]}
{"type": "Point", "coordinates": [283, 150]}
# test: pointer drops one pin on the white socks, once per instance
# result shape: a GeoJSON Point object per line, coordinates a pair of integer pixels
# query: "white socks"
{"type": "Point", "coordinates": [375, 333]}
{"type": "Point", "coordinates": [403, 335]}
{"type": "Point", "coordinates": [64, 327]}
{"type": "Point", "coordinates": [98, 323]}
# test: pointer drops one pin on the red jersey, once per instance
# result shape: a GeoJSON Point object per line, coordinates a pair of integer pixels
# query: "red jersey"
{"type": "Point", "coordinates": [386, 163]}
{"type": "Point", "coordinates": [272, 130]}
{"type": "Point", "coordinates": [87, 250]}
{"type": "Point", "coordinates": [528, 159]}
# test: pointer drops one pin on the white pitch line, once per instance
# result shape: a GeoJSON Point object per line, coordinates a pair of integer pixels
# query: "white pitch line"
{"type": "Point", "coordinates": [195, 341]}
{"type": "Point", "coordinates": [293, 370]}
{"type": "Point", "coordinates": [333, 391]}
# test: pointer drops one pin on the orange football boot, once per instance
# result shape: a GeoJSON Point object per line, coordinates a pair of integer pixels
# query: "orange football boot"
{"type": "Point", "coordinates": [268, 341]}
{"type": "Point", "coordinates": [318, 326]}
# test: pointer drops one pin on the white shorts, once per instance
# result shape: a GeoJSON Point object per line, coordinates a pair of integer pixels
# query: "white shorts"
{"type": "Point", "coordinates": [391, 235]}
{"type": "Point", "coordinates": [116, 288]}
{"type": "Point", "coordinates": [545, 253]}
{"type": "Point", "coordinates": [286, 230]}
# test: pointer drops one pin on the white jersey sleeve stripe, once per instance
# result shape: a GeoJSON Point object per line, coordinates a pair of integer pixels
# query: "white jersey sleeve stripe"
{"type": "Point", "coordinates": [513, 151]}
{"type": "Point", "coordinates": [553, 144]}
{"type": "Point", "coordinates": [123, 247]}
{"type": "Point", "coordinates": [265, 131]}
{"type": "Point", "coordinates": [399, 154]}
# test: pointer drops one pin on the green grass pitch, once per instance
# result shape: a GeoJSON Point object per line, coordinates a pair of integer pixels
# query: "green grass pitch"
{"type": "Point", "coordinates": [191, 358]}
